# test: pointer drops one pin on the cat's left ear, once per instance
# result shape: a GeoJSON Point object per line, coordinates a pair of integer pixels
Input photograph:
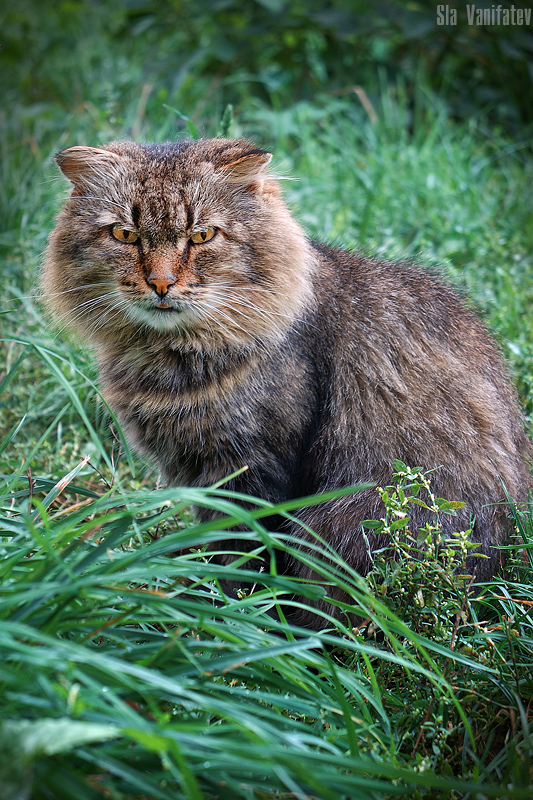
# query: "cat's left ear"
{"type": "Point", "coordinates": [248, 169]}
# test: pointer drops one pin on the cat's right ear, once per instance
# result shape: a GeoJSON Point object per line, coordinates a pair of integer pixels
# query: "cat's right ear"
{"type": "Point", "coordinates": [247, 169]}
{"type": "Point", "coordinates": [87, 166]}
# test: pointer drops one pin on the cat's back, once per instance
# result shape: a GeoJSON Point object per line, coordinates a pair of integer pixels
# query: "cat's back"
{"type": "Point", "coordinates": [376, 307]}
{"type": "Point", "coordinates": [411, 369]}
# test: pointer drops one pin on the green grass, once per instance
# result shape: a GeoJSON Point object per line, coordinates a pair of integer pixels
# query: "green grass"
{"type": "Point", "coordinates": [126, 670]}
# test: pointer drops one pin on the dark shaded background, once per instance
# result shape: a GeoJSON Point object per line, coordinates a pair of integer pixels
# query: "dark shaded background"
{"type": "Point", "coordinates": [200, 56]}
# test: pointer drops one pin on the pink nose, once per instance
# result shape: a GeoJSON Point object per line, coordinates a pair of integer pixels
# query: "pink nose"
{"type": "Point", "coordinates": [161, 286]}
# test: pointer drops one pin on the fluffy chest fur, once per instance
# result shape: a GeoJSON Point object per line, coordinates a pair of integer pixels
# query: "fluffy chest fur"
{"type": "Point", "coordinates": [204, 418]}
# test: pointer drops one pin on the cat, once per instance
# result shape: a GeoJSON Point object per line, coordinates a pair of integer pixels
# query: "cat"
{"type": "Point", "coordinates": [226, 338]}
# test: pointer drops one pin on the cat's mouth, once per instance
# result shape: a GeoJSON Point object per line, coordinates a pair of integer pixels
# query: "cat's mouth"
{"type": "Point", "coordinates": [166, 307]}
{"type": "Point", "coordinates": [162, 315]}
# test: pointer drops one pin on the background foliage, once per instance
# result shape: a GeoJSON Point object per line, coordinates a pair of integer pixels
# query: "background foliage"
{"type": "Point", "coordinates": [127, 672]}
{"type": "Point", "coordinates": [279, 50]}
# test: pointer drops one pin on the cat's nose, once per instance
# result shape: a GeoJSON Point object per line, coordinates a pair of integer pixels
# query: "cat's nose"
{"type": "Point", "coordinates": [160, 285]}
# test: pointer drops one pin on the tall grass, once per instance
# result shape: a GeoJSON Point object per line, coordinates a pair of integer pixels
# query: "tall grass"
{"type": "Point", "coordinates": [128, 671]}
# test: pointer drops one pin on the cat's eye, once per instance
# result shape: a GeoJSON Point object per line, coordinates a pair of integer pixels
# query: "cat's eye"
{"type": "Point", "coordinates": [122, 234]}
{"type": "Point", "coordinates": [198, 237]}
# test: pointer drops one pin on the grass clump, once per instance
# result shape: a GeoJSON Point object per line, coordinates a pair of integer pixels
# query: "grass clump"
{"type": "Point", "coordinates": [128, 672]}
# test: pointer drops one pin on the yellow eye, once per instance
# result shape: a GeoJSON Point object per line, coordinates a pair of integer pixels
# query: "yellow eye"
{"type": "Point", "coordinates": [199, 237]}
{"type": "Point", "coordinates": [123, 234]}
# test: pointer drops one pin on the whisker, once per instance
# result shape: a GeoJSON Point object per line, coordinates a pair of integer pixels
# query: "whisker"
{"type": "Point", "coordinates": [75, 289]}
{"type": "Point", "coordinates": [232, 296]}
{"type": "Point", "coordinates": [58, 294]}
{"type": "Point", "coordinates": [101, 321]}
{"type": "Point", "coordinates": [207, 315]}
{"type": "Point", "coordinates": [246, 288]}
{"type": "Point", "coordinates": [83, 309]}
{"type": "Point", "coordinates": [93, 301]}
{"type": "Point", "coordinates": [117, 306]}
{"type": "Point", "coordinates": [218, 310]}
{"type": "Point", "coordinates": [229, 299]}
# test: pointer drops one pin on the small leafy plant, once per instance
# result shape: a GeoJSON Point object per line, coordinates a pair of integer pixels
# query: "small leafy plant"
{"type": "Point", "coordinates": [421, 576]}
{"type": "Point", "coordinates": [422, 573]}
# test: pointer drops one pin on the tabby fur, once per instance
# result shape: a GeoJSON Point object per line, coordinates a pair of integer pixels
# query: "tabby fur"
{"type": "Point", "coordinates": [313, 366]}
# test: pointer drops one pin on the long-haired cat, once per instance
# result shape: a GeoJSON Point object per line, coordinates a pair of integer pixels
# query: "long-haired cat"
{"type": "Point", "coordinates": [227, 338]}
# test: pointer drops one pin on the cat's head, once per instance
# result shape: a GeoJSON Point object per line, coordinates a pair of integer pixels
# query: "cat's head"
{"type": "Point", "coordinates": [189, 240]}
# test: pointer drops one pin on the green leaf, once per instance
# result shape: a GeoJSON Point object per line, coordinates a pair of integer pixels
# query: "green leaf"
{"type": "Point", "coordinates": [399, 466]}
{"type": "Point", "coordinates": [190, 125]}
{"type": "Point", "coordinates": [49, 736]}
{"type": "Point", "coordinates": [397, 524]}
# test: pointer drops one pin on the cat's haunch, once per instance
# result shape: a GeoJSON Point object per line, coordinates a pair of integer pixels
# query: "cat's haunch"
{"type": "Point", "coordinates": [226, 338]}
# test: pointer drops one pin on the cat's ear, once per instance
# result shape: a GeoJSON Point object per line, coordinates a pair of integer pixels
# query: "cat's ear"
{"type": "Point", "coordinates": [87, 166]}
{"type": "Point", "coordinates": [246, 169]}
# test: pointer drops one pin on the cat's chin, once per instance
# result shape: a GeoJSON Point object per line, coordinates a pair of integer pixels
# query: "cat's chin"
{"type": "Point", "coordinates": [163, 319]}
